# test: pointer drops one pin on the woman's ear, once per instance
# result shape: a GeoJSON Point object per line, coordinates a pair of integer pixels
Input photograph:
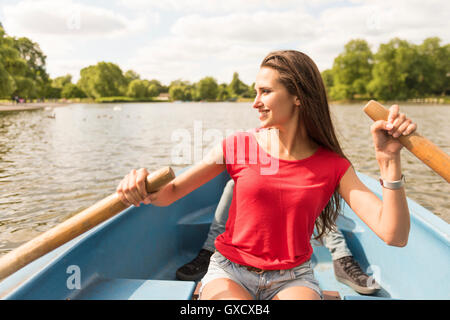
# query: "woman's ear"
{"type": "Point", "coordinates": [297, 102]}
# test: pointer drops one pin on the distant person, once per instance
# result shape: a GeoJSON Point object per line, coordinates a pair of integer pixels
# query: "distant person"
{"type": "Point", "coordinates": [346, 269]}
{"type": "Point", "coordinates": [265, 250]}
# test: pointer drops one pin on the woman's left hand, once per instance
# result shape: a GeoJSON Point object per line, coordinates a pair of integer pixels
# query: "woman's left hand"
{"type": "Point", "coordinates": [385, 133]}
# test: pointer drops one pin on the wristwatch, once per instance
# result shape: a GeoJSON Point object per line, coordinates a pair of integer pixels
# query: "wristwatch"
{"type": "Point", "coordinates": [393, 184]}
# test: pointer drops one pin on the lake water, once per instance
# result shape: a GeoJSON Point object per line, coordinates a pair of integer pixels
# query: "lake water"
{"type": "Point", "coordinates": [55, 163]}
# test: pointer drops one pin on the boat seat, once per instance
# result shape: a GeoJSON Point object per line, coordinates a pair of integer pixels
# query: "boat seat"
{"type": "Point", "coordinates": [194, 226]}
{"type": "Point", "coordinates": [137, 289]}
{"type": "Point", "coordinates": [199, 217]}
{"type": "Point", "coordinates": [327, 295]}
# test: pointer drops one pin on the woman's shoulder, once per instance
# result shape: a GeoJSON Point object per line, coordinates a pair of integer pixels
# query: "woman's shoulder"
{"type": "Point", "coordinates": [326, 152]}
{"type": "Point", "coordinates": [335, 161]}
{"type": "Point", "coordinates": [334, 156]}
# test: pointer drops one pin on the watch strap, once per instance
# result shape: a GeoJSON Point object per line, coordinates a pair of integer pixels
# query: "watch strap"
{"type": "Point", "coordinates": [393, 185]}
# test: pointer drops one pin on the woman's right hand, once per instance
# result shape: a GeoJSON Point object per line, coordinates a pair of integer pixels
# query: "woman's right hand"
{"type": "Point", "coordinates": [132, 191]}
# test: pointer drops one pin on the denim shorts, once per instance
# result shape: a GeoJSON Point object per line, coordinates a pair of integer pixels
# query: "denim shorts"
{"type": "Point", "coordinates": [261, 286]}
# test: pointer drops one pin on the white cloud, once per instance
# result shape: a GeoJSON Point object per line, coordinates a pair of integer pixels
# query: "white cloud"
{"type": "Point", "coordinates": [67, 18]}
{"type": "Point", "coordinates": [197, 38]}
{"type": "Point", "coordinates": [261, 26]}
{"type": "Point", "coordinates": [212, 6]}
{"type": "Point", "coordinates": [68, 32]}
{"type": "Point", "coordinates": [201, 44]}
{"type": "Point", "coordinates": [376, 22]}
{"type": "Point", "coordinates": [174, 57]}
{"type": "Point", "coordinates": [72, 66]}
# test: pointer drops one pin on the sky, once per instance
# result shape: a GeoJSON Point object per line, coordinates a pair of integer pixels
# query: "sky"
{"type": "Point", "coordinates": [191, 39]}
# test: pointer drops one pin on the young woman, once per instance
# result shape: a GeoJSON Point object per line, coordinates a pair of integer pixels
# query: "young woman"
{"type": "Point", "coordinates": [265, 250]}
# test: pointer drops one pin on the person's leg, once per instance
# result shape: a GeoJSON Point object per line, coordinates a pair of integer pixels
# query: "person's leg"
{"type": "Point", "coordinates": [298, 283]}
{"type": "Point", "coordinates": [224, 280]}
{"type": "Point", "coordinates": [220, 216]}
{"type": "Point", "coordinates": [346, 269]}
{"type": "Point", "coordinates": [224, 289]}
{"type": "Point", "coordinates": [334, 241]}
{"type": "Point", "coordinates": [196, 269]}
{"type": "Point", "coordinates": [297, 293]}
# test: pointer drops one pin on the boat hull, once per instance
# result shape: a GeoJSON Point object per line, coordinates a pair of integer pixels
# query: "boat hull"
{"type": "Point", "coordinates": [135, 255]}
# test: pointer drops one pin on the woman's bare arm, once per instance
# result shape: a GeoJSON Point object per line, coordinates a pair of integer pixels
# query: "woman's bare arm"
{"type": "Point", "coordinates": [388, 218]}
{"type": "Point", "coordinates": [131, 189]}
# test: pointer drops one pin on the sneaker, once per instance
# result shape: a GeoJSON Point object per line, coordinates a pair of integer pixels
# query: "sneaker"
{"type": "Point", "coordinates": [348, 271]}
{"type": "Point", "coordinates": [196, 269]}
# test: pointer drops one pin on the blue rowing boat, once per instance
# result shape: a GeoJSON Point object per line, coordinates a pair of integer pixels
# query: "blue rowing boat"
{"type": "Point", "coordinates": [135, 254]}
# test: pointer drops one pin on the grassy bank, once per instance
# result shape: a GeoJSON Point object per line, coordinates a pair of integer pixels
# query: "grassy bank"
{"type": "Point", "coordinates": [127, 99]}
{"type": "Point", "coordinates": [88, 100]}
{"type": "Point", "coordinates": [425, 101]}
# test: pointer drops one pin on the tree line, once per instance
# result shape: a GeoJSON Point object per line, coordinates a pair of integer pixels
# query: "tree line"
{"type": "Point", "coordinates": [23, 74]}
{"type": "Point", "coordinates": [399, 70]}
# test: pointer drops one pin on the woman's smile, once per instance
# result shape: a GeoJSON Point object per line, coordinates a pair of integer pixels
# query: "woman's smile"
{"type": "Point", "coordinates": [263, 113]}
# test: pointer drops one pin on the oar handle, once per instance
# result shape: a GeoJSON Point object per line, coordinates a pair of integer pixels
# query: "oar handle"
{"type": "Point", "coordinates": [75, 226]}
{"type": "Point", "coordinates": [421, 147]}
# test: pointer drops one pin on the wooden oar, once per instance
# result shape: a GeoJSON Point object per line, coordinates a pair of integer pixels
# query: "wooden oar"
{"type": "Point", "coordinates": [74, 226]}
{"type": "Point", "coordinates": [421, 147]}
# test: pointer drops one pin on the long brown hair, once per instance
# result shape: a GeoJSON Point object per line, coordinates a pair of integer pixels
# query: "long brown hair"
{"type": "Point", "coordinates": [300, 75]}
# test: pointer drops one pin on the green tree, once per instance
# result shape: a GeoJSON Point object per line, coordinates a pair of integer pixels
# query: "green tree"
{"type": "Point", "coordinates": [176, 93]}
{"type": "Point", "coordinates": [223, 92]}
{"type": "Point", "coordinates": [71, 90]}
{"type": "Point", "coordinates": [250, 93]}
{"type": "Point", "coordinates": [436, 64]}
{"type": "Point", "coordinates": [327, 77]}
{"type": "Point", "coordinates": [207, 89]}
{"type": "Point", "coordinates": [12, 66]}
{"type": "Point", "coordinates": [55, 87]}
{"type": "Point", "coordinates": [395, 74]}
{"type": "Point", "coordinates": [156, 85]}
{"type": "Point", "coordinates": [36, 74]}
{"type": "Point", "coordinates": [105, 79]}
{"type": "Point", "coordinates": [25, 87]}
{"type": "Point", "coordinates": [236, 86]}
{"type": "Point", "coordinates": [181, 91]}
{"type": "Point", "coordinates": [7, 83]}
{"type": "Point", "coordinates": [138, 89]}
{"type": "Point", "coordinates": [60, 82]}
{"type": "Point", "coordinates": [143, 88]}
{"type": "Point", "coordinates": [131, 75]}
{"type": "Point", "coordinates": [164, 89]}
{"type": "Point", "coordinates": [18, 57]}
{"type": "Point", "coordinates": [53, 92]}
{"type": "Point", "coordinates": [152, 90]}
{"type": "Point", "coordinates": [351, 70]}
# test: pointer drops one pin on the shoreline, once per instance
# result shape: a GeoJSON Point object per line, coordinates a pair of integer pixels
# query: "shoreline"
{"type": "Point", "coordinates": [31, 106]}
{"type": "Point", "coordinates": [6, 107]}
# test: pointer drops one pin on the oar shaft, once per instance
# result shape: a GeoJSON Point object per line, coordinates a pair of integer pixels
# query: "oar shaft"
{"type": "Point", "coordinates": [74, 226]}
{"type": "Point", "coordinates": [420, 146]}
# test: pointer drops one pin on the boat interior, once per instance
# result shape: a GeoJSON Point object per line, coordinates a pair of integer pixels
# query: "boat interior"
{"type": "Point", "coordinates": [135, 255]}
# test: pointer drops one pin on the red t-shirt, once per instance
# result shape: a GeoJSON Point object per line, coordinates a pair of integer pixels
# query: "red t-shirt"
{"type": "Point", "coordinates": [275, 203]}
